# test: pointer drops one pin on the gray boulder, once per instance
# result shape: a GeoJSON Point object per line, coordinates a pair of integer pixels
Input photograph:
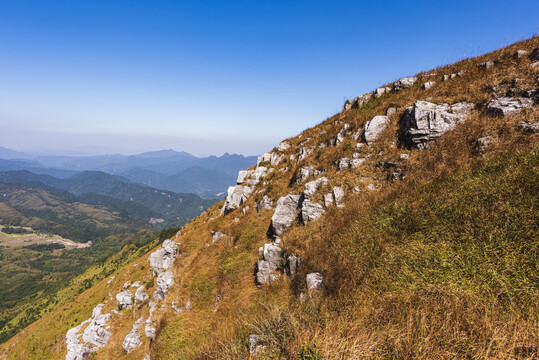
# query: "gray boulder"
{"type": "Point", "coordinates": [357, 102]}
{"type": "Point", "coordinates": [132, 340]}
{"type": "Point", "coordinates": [354, 163]}
{"type": "Point", "coordinates": [283, 146]}
{"type": "Point", "coordinates": [374, 128]}
{"type": "Point", "coordinates": [528, 127]}
{"type": "Point", "coordinates": [428, 85]}
{"type": "Point", "coordinates": [380, 91]}
{"type": "Point", "coordinates": [264, 274]}
{"type": "Point", "coordinates": [236, 196]}
{"type": "Point", "coordinates": [140, 295]}
{"type": "Point", "coordinates": [424, 121]}
{"type": "Point", "coordinates": [272, 257]}
{"type": "Point", "coordinates": [292, 265]}
{"type": "Point", "coordinates": [315, 282]}
{"type": "Point", "coordinates": [328, 199]}
{"type": "Point", "coordinates": [264, 204]}
{"type": "Point", "coordinates": [404, 83]}
{"type": "Point", "coordinates": [344, 163]}
{"type": "Point", "coordinates": [304, 152]}
{"type": "Point", "coordinates": [338, 195]}
{"type": "Point", "coordinates": [520, 53]}
{"type": "Point", "coordinates": [163, 258]}
{"type": "Point", "coordinates": [312, 186]}
{"type": "Point", "coordinates": [124, 299]}
{"type": "Point", "coordinates": [304, 173]}
{"type": "Point", "coordinates": [216, 235]}
{"type": "Point", "coordinates": [311, 211]}
{"type": "Point", "coordinates": [486, 65]}
{"type": "Point", "coordinates": [164, 281]}
{"type": "Point", "coordinates": [285, 213]}
{"type": "Point", "coordinates": [506, 106]}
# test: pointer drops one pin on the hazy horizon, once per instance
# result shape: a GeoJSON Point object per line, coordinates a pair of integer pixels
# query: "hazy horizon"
{"type": "Point", "coordinates": [215, 77]}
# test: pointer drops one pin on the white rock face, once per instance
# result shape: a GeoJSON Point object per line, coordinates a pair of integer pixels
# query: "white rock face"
{"type": "Point", "coordinates": [344, 163]}
{"type": "Point", "coordinates": [328, 199]}
{"type": "Point", "coordinates": [311, 211]}
{"type": "Point", "coordinates": [354, 163]}
{"type": "Point", "coordinates": [164, 281]}
{"type": "Point", "coordinates": [374, 128]}
{"type": "Point", "coordinates": [272, 257]}
{"type": "Point", "coordinates": [285, 213]}
{"type": "Point", "coordinates": [506, 106]}
{"type": "Point", "coordinates": [283, 146]}
{"type": "Point", "coordinates": [338, 193]}
{"type": "Point", "coordinates": [315, 282]}
{"type": "Point", "coordinates": [404, 83]}
{"type": "Point", "coordinates": [312, 186]}
{"type": "Point", "coordinates": [428, 85]}
{"type": "Point", "coordinates": [140, 295]}
{"type": "Point", "coordinates": [424, 121]}
{"type": "Point", "coordinates": [264, 204]}
{"type": "Point", "coordinates": [95, 335]}
{"type": "Point", "coordinates": [305, 173]}
{"type": "Point", "coordinates": [124, 299]}
{"type": "Point", "coordinates": [216, 235]}
{"type": "Point", "coordinates": [236, 196]}
{"type": "Point", "coordinates": [132, 340]}
{"type": "Point", "coordinates": [243, 175]}
{"type": "Point", "coordinates": [357, 102]}
{"type": "Point", "coordinates": [304, 152]}
{"type": "Point", "coordinates": [163, 258]}
{"type": "Point", "coordinates": [264, 158]}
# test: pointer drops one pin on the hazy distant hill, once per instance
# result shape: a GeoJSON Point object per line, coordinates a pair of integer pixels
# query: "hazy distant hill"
{"type": "Point", "coordinates": [164, 169]}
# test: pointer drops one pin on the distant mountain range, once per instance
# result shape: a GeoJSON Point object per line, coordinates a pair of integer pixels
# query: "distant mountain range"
{"type": "Point", "coordinates": [208, 177]}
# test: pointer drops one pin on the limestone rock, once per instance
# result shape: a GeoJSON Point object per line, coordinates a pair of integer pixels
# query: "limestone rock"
{"type": "Point", "coordinates": [424, 122]}
{"type": "Point", "coordinates": [163, 258]}
{"type": "Point", "coordinates": [528, 127]}
{"type": "Point", "coordinates": [354, 163]}
{"type": "Point", "coordinates": [328, 199]}
{"type": "Point", "coordinates": [486, 65]}
{"type": "Point", "coordinates": [311, 211]}
{"type": "Point", "coordinates": [263, 204]}
{"type": "Point", "coordinates": [506, 106]}
{"type": "Point", "coordinates": [315, 282]}
{"type": "Point", "coordinates": [216, 235]}
{"type": "Point", "coordinates": [283, 146]}
{"type": "Point", "coordinates": [264, 274]}
{"type": "Point", "coordinates": [140, 295]}
{"type": "Point", "coordinates": [236, 196]}
{"type": "Point", "coordinates": [312, 186]}
{"type": "Point", "coordinates": [257, 175]}
{"type": "Point", "coordinates": [95, 335]}
{"type": "Point", "coordinates": [304, 173]}
{"type": "Point", "coordinates": [404, 83]}
{"type": "Point", "coordinates": [391, 110]}
{"type": "Point", "coordinates": [243, 175]}
{"type": "Point", "coordinates": [357, 102]}
{"type": "Point", "coordinates": [264, 158]}
{"type": "Point", "coordinates": [374, 128]}
{"type": "Point", "coordinates": [273, 255]}
{"type": "Point", "coordinates": [520, 53]}
{"type": "Point", "coordinates": [285, 213]}
{"type": "Point", "coordinates": [164, 281]}
{"type": "Point", "coordinates": [483, 143]}
{"type": "Point", "coordinates": [304, 152]}
{"type": "Point", "coordinates": [292, 265]}
{"type": "Point", "coordinates": [534, 56]}
{"type": "Point", "coordinates": [338, 194]}
{"type": "Point", "coordinates": [381, 91]}
{"type": "Point", "coordinates": [149, 329]}
{"type": "Point", "coordinates": [132, 340]}
{"type": "Point", "coordinates": [428, 85]}
{"type": "Point", "coordinates": [344, 163]}
{"type": "Point", "coordinates": [124, 299]}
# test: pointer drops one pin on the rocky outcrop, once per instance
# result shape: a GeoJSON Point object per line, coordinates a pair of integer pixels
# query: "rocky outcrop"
{"type": "Point", "coordinates": [292, 265]}
{"type": "Point", "coordinates": [95, 335]}
{"type": "Point", "coordinates": [404, 83]}
{"type": "Point", "coordinates": [311, 211]}
{"type": "Point", "coordinates": [236, 196]}
{"type": "Point", "coordinates": [528, 127]}
{"type": "Point", "coordinates": [164, 281]}
{"type": "Point", "coordinates": [141, 296]}
{"type": "Point", "coordinates": [216, 235]}
{"type": "Point", "coordinates": [124, 299]}
{"type": "Point", "coordinates": [424, 121]}
{"type": "Point", "coordinates": [380, 91]}
{"type": "Point", "coordinates": [285, 213]}
{"type": "Point", "coordinates": [283, 146]}
{"type": "Point", "coordinates": [340, 135]}
{"type": "Point", "coordinates": [357, 102]}
{"type": "Point", "coordinates": [374, 128]}
{"type": "Point", "coordinates": [338, 195]}
{"type": "Point", "coordinates": [428, 85]}
{"type": "Point", "coordinates": [132, 340]}
{"type": "Point", "coordinates": [315, 282]}
{"type": "Point", "coordinates": [506, 106]}
{"type": "Point", "coordinates": [312, 186]}
{"type": "Point", "coordinates": [163, 258]}
{"type": "Point", "coordinates": [304, 152]}
{"type": "Point", "coordinates": [344, 163]}
{"type": "Point", "coordinates": [264, 204]}
{"type": "Point", "coordinates": [486, 65]}
{"type": "Point", "coordinates": [272, 256]}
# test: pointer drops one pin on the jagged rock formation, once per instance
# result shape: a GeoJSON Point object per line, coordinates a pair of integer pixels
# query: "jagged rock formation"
{"type": "Point", "coordinates": [163, 258]}
{"type": "Point", "coordinates": [164, 281]}
{"type": "Point", "coordinates": [285, 213]}
{"type": "Point", "coordinates": [124, 299]}
{"type": "Point", "coordinates": [374, 128]}
{"type": "Point", "coordinates": [95, 335]}
{"type": "Point", "coordinates": [272, 256]}
{"type": "Point", "coordinates": [424, 122]}
{"type": "Point", "coordinates": [132, 340]}
{"type": "Point", "coordinates": [506, 106]}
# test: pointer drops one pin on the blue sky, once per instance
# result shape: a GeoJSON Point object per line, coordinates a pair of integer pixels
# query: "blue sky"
{"type": "Point", "coordinates": [215, 76]}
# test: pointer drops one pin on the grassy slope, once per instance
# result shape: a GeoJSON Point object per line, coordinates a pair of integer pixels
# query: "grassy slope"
{"type": "Point", "coordinates": [441, 265]}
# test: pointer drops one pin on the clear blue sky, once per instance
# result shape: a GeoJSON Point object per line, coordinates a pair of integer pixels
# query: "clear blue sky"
{"type": "Point", "coordinates": [215, 76]}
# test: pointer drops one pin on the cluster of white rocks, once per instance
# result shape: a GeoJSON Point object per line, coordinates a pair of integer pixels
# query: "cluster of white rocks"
{"type": "Point", "coordinates": [94, 336]}
{"type": "Point", "coordinates": [361, 100]}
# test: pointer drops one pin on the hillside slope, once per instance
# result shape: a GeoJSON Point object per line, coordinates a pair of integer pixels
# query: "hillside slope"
{"type": "Point", "coordinates": [403, 227]}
